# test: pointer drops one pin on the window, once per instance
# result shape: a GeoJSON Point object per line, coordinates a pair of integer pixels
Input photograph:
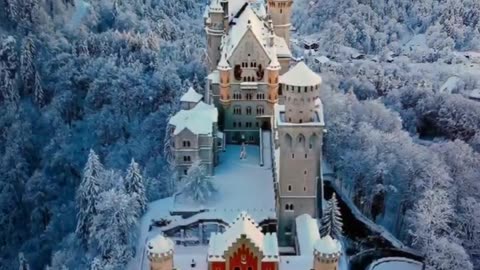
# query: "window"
{"type": "Point", "coordinates": [187, 158]}
{"type": "Point", "coordinates": [298, 89]}
{"type": "Point", "coordinates": [260, 110]}
{"type": "Point", "coordinates": [237, 110]}
{"type": "Point", "coordinates": [300, 121]}
{"type": "Point", "coordinates": [185, 172]}
{"type": "Point", "coordinates": [257, 124]}
{"type": "Point", "coordinates": [249, 110]}
{"type": "Point", "coordinates": [306, 156]}
{"type": "Point", "coordinates": [234, 124]}
{"type": "Point", "coordinates": [239, 124]}
{"type": "Point", "coordinates": [304, 188]}
{"type": "Point", "coordinates": [260, 96]}
{"type": "Point", "coordinates": [289, 187]}
{"type": "Point", "coordinates": [305, 90]}
{"type": "Point", "coordinates": [186, 144]}
{"type": "Point", "coordinates": [305, 172]}
{"type": "Point", "coordinates": [289, 207]}
{"type": "Point", "coordinates": [293, 156]}
{"type": "Point", "coordinates": [248, 96]}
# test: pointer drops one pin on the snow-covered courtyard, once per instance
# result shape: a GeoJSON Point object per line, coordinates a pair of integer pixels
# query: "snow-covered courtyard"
{"type": "Point", "coordinates": [242, 185]}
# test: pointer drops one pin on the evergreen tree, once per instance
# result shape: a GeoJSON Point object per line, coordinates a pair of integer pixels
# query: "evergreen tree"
{"type": "Point", "coordinates": [332, 219]}
{"type": "Point", "coordinates": [87, 197]}
{"type": "Point", "coordinates": [114, 226]}
{"type": "Point", "coordinates": [198, 185]}
{"type": "Point", "coordinates": [27, 68]}
{"type": "Point", "coordinates": [38, 95]}
{"type": "Point", "coordinates": [22, 261]}
{"type": "Point", "coordinates": [135, 187]}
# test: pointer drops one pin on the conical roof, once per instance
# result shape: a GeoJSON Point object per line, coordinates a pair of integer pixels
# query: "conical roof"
{"type": "Point", "coordinates": [328, 246]}
{"type": "Point", "coordinates": [223, 64]}
{"type": "Point", "coordinates": [274, 64]}
{"type": "Point", "coordinates": [191, 96]}
{"type": "Point", "coordinates": [301, 75]}
{"type": "Point", "coordinates": [160, 245]}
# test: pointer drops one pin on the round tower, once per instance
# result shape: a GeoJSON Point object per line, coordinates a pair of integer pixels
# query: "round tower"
{"type": "Point", "coordinates": [273, 70]}
{"type": "Point", "coordinates": [224, 73]}
{"type": "Point", "coordinates": [280, 12]}
{"type": "Point", "coordinates": [301, 87]}
{"type": "Point", "coordinates": [160, 253]}
{"type": "Point", "coordinates": [326, 253]}
{"type": "Point", "coordinates": [214, 27]}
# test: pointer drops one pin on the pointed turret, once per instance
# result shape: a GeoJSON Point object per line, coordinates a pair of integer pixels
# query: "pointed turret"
{"type": "Point", "coordinates": [273, 70]}
{"type": "Point", "coordinates": [224, 70]}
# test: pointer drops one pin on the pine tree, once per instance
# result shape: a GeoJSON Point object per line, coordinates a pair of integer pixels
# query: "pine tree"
{"type": "Point", "coordinates": [135, 187]}
{"type": "Point", "coordinates": [87, 197]}
{"type": "Point", "coordinates": [332, 219]}
{"type": "Point", "coordinates": [27, 68]}
{"type": "Point", "coordinates": [113, 226]}
{"type": "Point", "coordinates": [198, 185]}
{"type": "Point", "coordinates": [38, 94]}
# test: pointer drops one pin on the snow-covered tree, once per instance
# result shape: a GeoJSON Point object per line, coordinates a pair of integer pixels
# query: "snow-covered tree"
{"type": "Point", "coordinates": [23, 263]}
{"type": "Point", "coordinates": [88, 196]}
{"type": "Point", "coordinates": [332, 219]}
{"type": "Point", "coordinates": [113, 227]}
{"type": "Point", "coordinates": [135, 187]}
{"type": "Point", "coordinates": [27, 66]}
{"type": "Point", "coordinates": [446, 254]}
{"type": "Point", "coordinates": [38, 95]}
{"type": "Point", "coordinates": [198, 185]}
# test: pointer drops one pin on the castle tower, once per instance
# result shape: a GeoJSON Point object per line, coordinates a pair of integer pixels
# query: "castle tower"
{"type": "Point", "coordinates": [224, 71]}
{"type": "Point", "coordinates": [214, 26]}
{"type": "Point", "coordinates": [300, 133]}
{"type": "Point", "coordinates": [273, 70]}
{"type": "Point", "coordinates": [326, 253]}
{"type": "Point", "coordinates": [280, 12]}
{"type": "Point", "coordinates": [160, 253]}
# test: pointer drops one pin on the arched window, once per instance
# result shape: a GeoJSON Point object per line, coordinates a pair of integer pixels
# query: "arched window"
{"type": "Point", "coordinates": [249, 110]}
{"type": "Point", "coordinates": [289, 187]}
{"type": "Point", "coordinates": [301, 142]}
{"type": "Point", "coordinates": [312, 141]}
{"type": "Point", "coordinates": [288, 140]}
{"type": "Point", "coordinates": [291, 207]}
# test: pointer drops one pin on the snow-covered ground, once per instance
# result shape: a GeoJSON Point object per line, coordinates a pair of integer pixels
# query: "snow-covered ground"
{"type": "Point", "coordinates": [395, 263]}
{"type": "Point", "coordinates": [243, 185]}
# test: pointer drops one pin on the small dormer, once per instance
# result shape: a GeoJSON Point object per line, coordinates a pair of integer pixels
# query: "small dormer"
{"type": "Point", "coordinates": [190, 99]}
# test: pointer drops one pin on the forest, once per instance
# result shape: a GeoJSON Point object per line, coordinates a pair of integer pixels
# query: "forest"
{"type": "Point", "coordinates": [406, 150]}
{"type": "Point", "coordinates": [87, 87]}
{"type": "Point", "coordinates": [77, 76]}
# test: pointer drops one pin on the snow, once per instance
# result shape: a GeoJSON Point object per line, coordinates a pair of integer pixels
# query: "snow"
{"type": "Point", "coordinates": [160, 245]}
{"type": "Point", "coordinates": [475, 94]}
{"type": "Point", "coordinates": [283, 51]}
{"type": "Point", "coordinates": [450, 85]}
{"type": "Point", "coordinates": [307, 233]}
{"type": "Point", "coordinates": [274, 64]}
{"type": "Point", "coordinates": [214, 77]}
{"type": "Point", "coordinates": [223, 64]}
{"type": "Point", "coordinates": [322, 59]}
{"type": "Point", "coordinates": [243, 225]}
{"type": "Point", "coordinates": [395, 263]}
{"type": "Point", "coordinates": [198, 120]}
{"type": "Point", "coordinates": [301, 75]}
{"type": "Point", "coordinates": [234, 179]}
{"type": "Point", "coordinates": [279, 111]}
{"type": "Point", "coordinates": [328, 245]}
{"type": "Point", "coordinates": [191, 96]}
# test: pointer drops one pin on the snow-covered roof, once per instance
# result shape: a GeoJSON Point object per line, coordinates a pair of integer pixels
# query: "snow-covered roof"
{"type": "Point", "coordinates": [450, 85]}
{"type": "Point", "coordinates": [328, 246]}
{"type": "Point", "coordinates": [274, 64]}
{"type": "Point", "coordinates": [160, 245]}
{"type": "Point", "coordinates": [223, 63]}
{"type": "Point", "coordinates": [301, 75]}
{"type": "Point", "coordinates": [199, 120]}
{"type": "Point", "coordinates": [191, 96]}
{"type": "Point", "coordinates": [307, 233]}
{"type": "Point", "coordinates": [250, 20]}
{"type": "Point", "coordinates": [475, 94]}
{"type": "Point", "coordinates": [245, 226]}
{"type": "Point", "coordinates": [322, 59]}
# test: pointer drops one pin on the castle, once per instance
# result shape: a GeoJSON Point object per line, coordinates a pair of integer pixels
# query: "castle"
{"type": "Point", "coordinates": [253, 97]}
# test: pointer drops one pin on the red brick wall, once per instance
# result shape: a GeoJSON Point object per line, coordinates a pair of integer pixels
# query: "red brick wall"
{"type": "Point", "coordinates": [244, 259]}
{"type": "Point", "coordinates": [217, 265]}
{"type": "Point", "coordinates": [269, 266]}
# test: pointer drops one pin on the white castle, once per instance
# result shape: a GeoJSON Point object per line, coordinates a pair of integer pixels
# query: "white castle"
{"type": "Point", "coordinates": [254, 99]}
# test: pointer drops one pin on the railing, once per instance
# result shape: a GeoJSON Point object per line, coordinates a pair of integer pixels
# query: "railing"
{"type": "Point", "coordinates": [260, 134]}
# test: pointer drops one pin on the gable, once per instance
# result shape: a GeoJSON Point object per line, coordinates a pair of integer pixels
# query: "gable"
{"type": "Point", "coordinates": [249, 44]}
